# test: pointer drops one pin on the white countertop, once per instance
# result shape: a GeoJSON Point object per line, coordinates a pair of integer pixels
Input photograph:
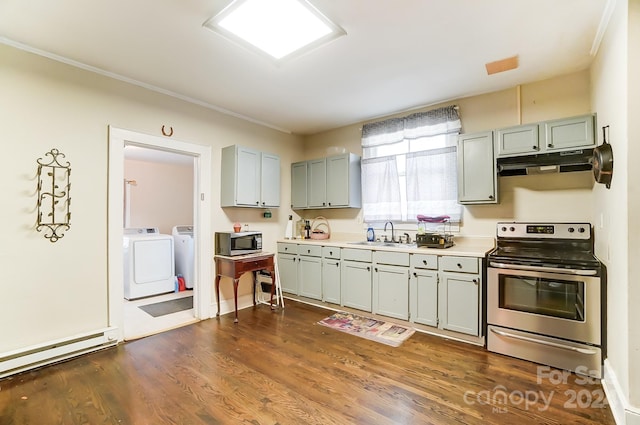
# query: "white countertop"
{"type": "Point", "coordinates": [463, 246]}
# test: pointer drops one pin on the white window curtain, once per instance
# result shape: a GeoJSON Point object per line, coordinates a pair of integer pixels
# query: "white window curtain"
{"type": "Point", "coordinates": [436, 194]}
{"type": "Point", "coordinates": [381, 194]}
{"type": "Point", "coordinates": [400, 155]}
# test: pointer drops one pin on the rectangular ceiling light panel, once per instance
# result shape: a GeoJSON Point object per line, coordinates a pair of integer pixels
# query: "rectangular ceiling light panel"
{"type": "Point", "coordinates": [279, 28]}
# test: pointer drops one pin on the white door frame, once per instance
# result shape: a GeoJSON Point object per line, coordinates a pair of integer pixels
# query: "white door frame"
{"type": "Point", "coordinates": [118, 138]}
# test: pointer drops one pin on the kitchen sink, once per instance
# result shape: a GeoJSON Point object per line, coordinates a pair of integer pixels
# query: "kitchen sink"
{"type": "Point", "coordinates": [385, 244]}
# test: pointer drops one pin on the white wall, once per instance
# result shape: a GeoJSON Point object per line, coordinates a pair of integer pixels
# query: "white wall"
{"type": "Point", "coordinates": [614, 92]}
{"type": "Point", "coordinates": [162, 195]}
{"type": "Point", "coordinates": [633, 301]}
{"type": "Point", "coordinates": [58, 290]}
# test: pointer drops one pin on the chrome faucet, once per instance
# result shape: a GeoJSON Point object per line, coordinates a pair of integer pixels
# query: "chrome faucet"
{"type": "Point", "coordinates": [393, 236]}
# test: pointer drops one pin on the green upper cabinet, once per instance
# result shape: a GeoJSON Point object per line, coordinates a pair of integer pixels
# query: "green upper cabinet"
{"type": "Point", "coordinates": [332, 182]}
{"type": "Point", "coordinates": [569, 133]}
{"type": "Point", "coordinates": [343, 181]}
{"type": "Point", "coordinates": [477, 176]}
{"type": "Point", "coordinates": [317, 183]}
{"type": "Point", "coordinates": [249, 178]}
{"type": "Point", "coordinates": [299, 184]}
{"type": "Point", "coordinates": [547, 136]}
{"type": "Point", "coordinates": [522, 139]}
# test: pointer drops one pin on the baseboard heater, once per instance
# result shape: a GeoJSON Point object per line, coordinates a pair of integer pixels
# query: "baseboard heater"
{"type": "Point", "coordinates": [16, 361]}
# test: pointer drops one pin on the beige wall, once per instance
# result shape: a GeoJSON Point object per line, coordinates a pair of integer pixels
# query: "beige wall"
{"type": "Point", "coordinates": [59, 290]}
{"type": "Point", "coordinates": [162, 195]}
{"type": "Point", "coordinates": [546, 197]}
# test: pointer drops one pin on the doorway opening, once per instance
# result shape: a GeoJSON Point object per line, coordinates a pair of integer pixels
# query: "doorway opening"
{"type": "Point", "coordinates": [128, 315]}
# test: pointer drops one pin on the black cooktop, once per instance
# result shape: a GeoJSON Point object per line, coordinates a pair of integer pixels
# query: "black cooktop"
{"type": "Point", "coordinates": [544, 257]}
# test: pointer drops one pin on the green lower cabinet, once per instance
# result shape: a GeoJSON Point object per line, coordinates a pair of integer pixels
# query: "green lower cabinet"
{"type": "Point", "coordinates": [391, 291]}
{"type": "Point", "coordinates": [356, 285]}
{"type": "Point", "coordinates": [310, 277]}
{"type": "Point", "coordinates": [288, 272]}
{"type": "Point", "coordinates": [331, 281]}
{"type": "Point", "coordinates": [458, 302]}
{"type": "Point", "coordinates": [423, 296]}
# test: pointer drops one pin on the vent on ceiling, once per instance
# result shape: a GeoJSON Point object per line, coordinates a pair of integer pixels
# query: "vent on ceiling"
{"type": "Point", "coordinates": [502, 65]}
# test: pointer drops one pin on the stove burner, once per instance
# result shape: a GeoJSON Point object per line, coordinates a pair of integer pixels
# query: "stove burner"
{"type": "Point", "coordinates": [538, 250]}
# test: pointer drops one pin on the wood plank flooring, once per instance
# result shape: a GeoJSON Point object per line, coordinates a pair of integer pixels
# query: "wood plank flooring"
{"type": "Point", "coordinates": [283, 368]}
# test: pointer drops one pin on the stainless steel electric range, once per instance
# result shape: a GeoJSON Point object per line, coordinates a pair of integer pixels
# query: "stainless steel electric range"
{"type": "Point", "coordinates": [545, 296]}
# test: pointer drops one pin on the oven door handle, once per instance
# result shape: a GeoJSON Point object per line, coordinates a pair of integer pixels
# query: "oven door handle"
{"type": "Point", "coordinates": [543, 269]}
{"type": "Point", "coordinates": [549, 343]}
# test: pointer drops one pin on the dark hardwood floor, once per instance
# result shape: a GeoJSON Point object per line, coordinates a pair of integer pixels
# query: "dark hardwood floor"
{"type": "Point", "coordinates": [283, 368]}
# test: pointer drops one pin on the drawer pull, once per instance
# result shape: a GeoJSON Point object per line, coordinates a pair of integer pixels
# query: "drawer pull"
{"type": "Point", "coordinates": [459, 265]}
{"type": "Point", "coordinates": [424, 262]}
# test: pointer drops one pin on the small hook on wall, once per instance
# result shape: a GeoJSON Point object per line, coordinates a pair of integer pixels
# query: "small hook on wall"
{"type": "Point", "coordinates": [169, 134]}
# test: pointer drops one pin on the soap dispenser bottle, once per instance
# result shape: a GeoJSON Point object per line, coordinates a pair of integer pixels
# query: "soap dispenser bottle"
{"type": "Point", "coordinates": [371, 235]}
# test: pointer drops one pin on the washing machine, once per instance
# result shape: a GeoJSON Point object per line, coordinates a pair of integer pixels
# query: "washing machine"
{"type": "Point", "coordinates": [148, 263]}
{"type": "Point", "coordinates": [183, 246]}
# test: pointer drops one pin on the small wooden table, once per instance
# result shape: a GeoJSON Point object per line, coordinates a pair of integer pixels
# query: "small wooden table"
{"type": "Point", "coordinates": [235, 267]}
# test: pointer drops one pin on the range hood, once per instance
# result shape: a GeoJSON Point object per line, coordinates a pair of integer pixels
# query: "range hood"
{"type": "Point", "coordinates": [543, 163]}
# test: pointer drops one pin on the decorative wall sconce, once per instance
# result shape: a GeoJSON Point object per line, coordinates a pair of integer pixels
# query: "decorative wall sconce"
{"type": "Point", "coordinates": [54, 197]}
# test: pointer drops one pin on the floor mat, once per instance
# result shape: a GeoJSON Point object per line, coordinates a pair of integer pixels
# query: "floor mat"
{"type": "Point", "coordinates": [168, 307]}
{"type": "Point", "coordinates": [366, 327]}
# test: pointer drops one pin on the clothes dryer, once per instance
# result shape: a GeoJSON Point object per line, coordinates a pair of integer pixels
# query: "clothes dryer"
{"type": "Point", "coordinates": [183, 245]}
{"type": "Point", "coordinates": [148, 263]}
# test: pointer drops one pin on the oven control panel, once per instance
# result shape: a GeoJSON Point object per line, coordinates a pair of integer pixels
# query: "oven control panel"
{"type": "Point", "coordinates": [544, 230]}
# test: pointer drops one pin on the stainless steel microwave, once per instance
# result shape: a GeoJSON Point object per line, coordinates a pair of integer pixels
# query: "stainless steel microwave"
{"type": "Point", "coordinates": [238, 243]}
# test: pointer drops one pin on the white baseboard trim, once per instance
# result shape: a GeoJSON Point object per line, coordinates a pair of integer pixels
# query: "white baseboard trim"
{"type": "Point", "coordinates": [623, 412]}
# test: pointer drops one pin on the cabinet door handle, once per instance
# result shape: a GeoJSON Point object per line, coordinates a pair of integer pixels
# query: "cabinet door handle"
{"type": "Point", "coordinates": [490, 196]}
{"type": "Point", "coordinates": [375, 270]}
{"type": "Point", "coordinates": [550, 145]}
{"type": "Point", "coordinates": [337, 264]}
{"type": "Point", "coordinates": [535, 148]}
{"type": "Point", "coordinates": [368, 268]}
{"type": "Point", "coordinates": [415, 274]}
{"type": "Point", "coordinates": [475, 281]}
{"type": "Point", "coordinates": [257, 202]}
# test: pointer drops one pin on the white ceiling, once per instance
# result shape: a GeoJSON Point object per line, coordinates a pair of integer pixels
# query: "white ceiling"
{"type": "Point", "coordinates": [397, 55]}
